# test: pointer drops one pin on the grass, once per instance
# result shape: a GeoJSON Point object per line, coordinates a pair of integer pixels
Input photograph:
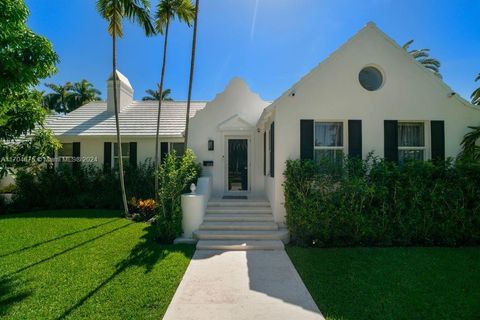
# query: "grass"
{"type": "Point", "coordinates": [392, 283]}
{"type": "Point", "coordinates": [87, 264]}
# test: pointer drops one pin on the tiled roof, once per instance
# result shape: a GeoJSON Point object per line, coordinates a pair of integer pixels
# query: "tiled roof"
{"type": "Point", "coordinates": [137, 119]}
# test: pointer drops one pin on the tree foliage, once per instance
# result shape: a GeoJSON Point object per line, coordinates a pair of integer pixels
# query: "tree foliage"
{"type": "Point", "coordinates": [423, 57]}
{"type": "Point", "coordinates": [70, 96]}
{"type": "Point", "coordinates": [154, 95]}
{"type": "Point", "coordinates": [475, 96]}
{"type": "Point", "coordinates": [25, 58]}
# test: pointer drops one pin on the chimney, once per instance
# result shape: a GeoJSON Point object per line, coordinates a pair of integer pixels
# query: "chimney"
{"type": "Point", "coordinates": [124, 92]}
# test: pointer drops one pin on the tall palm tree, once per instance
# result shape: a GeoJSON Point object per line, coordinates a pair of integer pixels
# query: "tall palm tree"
{"type": "Point", "coordinates": [476, 94]}
{"type": "Point", "coordinates": [192, 67]}
{"type": "Point", "coordinates": [61, 97]}
{"type": "Point", "coordinates": [470, 149]}
{"type": "Point", "coordinates": [114, 11]}
{"type": "Point", "coordinates": [83, 92]}
{"type": "Point", "coordinates": [423, 56]}
{"type": "Point", "coordinates": [166, 12]}
{"type": "Point", "coordinates": [154, 95]}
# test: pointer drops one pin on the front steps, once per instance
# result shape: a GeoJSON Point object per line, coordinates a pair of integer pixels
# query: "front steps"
{"type": "Point", "coordinates": [240, 225]}
{"type": "Point", "coordinates": [239, 245]}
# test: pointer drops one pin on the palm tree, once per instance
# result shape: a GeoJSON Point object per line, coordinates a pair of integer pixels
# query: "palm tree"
{"type": "Point", "coordinates": [154, 95]}
{"type": "Point", "coordinates": [61, 97]}
{"type": "Point", "coordinates": [83, 92]}
{"type": "Point", "coordinates": [114, 11]}
{"type": "Point", "coordinates": [476, 94]}
{"type": "Point", "coordinates": [470, 149]}
{"type": "Point", "coordinates": [167, 11]}
{"type": "Point", "coordinates": [423, 57]}
{"type": "Point", "coordinates": [192, 67]}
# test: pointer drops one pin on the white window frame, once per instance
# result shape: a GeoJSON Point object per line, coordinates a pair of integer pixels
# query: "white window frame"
{"type": "Point", "coordinates": [123, 157]}
{"type": "Point", "coordinates": [344, 135]}
{"type": "Point", "coordinates": [426, 139]}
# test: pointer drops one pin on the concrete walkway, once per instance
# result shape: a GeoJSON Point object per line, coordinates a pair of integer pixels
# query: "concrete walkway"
{"type": "Point", "coordinates": [242, 285]}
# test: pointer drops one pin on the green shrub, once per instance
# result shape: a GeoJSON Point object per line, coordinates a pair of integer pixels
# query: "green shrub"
{"type": "Point", "coordinates": [88, 187]}
{"type": "Point", "coordinates": [373, 202]}
{"type": "Point", "coordinates": [175, 176]}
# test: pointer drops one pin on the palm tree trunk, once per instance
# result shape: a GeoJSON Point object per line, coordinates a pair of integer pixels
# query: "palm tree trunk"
{"type": "Point", "coordinates": [192, 66]}
{"type": "Point", "coordinates": [117, 123]}
{"type": "Point", "coordinates": [162, 76]}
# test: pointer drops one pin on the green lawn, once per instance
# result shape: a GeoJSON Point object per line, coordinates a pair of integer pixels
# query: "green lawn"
{"type": "Point", "coordinates": [88, 264]}
{"type": "Point", "coordinates": [392, 283]}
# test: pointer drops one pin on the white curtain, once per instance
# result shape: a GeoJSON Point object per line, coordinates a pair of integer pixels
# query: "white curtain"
{"type": "Point", "coordinates": [410, 135]}
{"type": "Point", "coordinates": [328, 134]}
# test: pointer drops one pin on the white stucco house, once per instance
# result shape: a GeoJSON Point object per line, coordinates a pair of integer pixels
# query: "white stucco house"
{"type": "Point", "coordinates": [368, 95]}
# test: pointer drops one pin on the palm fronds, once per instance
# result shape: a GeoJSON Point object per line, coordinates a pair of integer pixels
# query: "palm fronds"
{"type": "Point", "coordinates": [475, 96]}
{"type": "Point", "coordinates": [423, 57]}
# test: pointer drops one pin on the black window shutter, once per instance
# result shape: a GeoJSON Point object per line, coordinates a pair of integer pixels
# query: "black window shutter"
{"type": "Point", "coordinates": [107, 155]}
{"type": "Point", "coordinates": [272, 150]}
{"type": "Point", "coordinates": [390, 144]}
{"type": "Point", "coordinates": [355, 138]}
{"type": "Point", "coordinates": [438, 139]}
{"type": "Point", "coordinates": [306, 139]}
{"type": "Point", "coordinates": [163, 150]}
{"type": "Point", "coordinates": [133, 154]}
{"type": "Point", "coordinates": [76, 155]}
{"type": "Point", "coordinates": [265, 153]}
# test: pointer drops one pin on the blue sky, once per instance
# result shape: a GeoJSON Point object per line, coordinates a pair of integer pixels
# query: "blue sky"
{"type": "Point", "coordinates": [269, 43]}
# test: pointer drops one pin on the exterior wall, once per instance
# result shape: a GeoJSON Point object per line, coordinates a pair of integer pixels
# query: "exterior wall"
{"type": "Point", "coordinates": [91, 146]}
{"type": "Point", "coordinates": [232, 113]}
{"type": "Point", "coordinates": [332, 92]}
{"type": "Point", "coordinates": [269, 181]}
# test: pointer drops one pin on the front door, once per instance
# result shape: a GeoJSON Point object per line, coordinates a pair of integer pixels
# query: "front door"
{"type": "Point", "coordinates": [238, 165]}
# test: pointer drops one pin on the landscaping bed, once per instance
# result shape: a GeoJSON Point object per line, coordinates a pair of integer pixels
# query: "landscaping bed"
{"type": "Point", "coordinates": [85, 264]}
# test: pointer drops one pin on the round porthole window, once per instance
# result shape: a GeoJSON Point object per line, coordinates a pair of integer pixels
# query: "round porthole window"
{"type": "Point", "coordinates": [370, 78]}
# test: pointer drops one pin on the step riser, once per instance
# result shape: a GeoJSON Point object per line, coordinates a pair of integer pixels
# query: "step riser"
{"type": "Point", "coordinates": [239, 211]}
{"type": "Point", "coordinates": [240, 228]}
{"type": "Point", "coordinates": [283, 238]}
{"type": "Point", "coordinates": [239, 248]}
{"type": "Point", "coordinates": [232, 245]}
{"type": "Point", "coordinates": [239, 204]}
{"type": "Point", "coordinates": [266, 218]}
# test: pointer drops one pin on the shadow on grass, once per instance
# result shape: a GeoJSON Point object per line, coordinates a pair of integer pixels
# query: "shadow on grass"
{"type": "Point", "coordinates": [73, 213]}
{"type": "Point", "coordinates": [8, 296]}
{"type": "Point", "coordinates": [68, 250]}
{"type": "Point", "coordinates": [57, 238]}
{"type": "Point", "coordinates": [145, 254]}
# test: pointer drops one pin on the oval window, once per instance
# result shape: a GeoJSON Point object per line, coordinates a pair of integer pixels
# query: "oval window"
{"type": "Point", "coordinates": [370, 78]}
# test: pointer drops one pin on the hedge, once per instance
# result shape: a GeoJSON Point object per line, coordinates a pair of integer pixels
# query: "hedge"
{"type": "Point", "coordinates": [377, 203]}
{"type": "Point", "coordinates": [87, 187]}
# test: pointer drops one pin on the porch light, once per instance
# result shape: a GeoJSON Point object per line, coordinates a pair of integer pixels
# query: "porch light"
{"type": "Point", "coordinates": [210, 145]}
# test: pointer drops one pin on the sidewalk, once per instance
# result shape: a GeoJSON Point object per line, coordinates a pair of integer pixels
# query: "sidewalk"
{"type": "Point", "coordinates": [242, 285]}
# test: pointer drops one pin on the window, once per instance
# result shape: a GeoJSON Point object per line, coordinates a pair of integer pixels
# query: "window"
{"type": "Point", "coordinates": [370, 78]}
{"type": "Point", "coordinates": [328, 143]}
{"type": "Point", "coordinates": [411, 141]}
{"type": "Point", "coordinates": [179, 148]}
{"type": "Point", "coordinates": [125, 153]}
{"type": "Point", "coordinates": [65, 154]}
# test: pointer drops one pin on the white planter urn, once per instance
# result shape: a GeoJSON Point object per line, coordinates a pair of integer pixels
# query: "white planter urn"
{"type": "Point", "coordinates": [193, 209]}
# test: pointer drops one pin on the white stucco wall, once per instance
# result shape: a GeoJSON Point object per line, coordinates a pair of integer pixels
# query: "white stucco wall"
{"type": "Point", "coordinates": [233, 113]}
{"type": "Point", "coordinates": [92, 146]}
{"type": "Point", "coordinates": [332, 92]}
